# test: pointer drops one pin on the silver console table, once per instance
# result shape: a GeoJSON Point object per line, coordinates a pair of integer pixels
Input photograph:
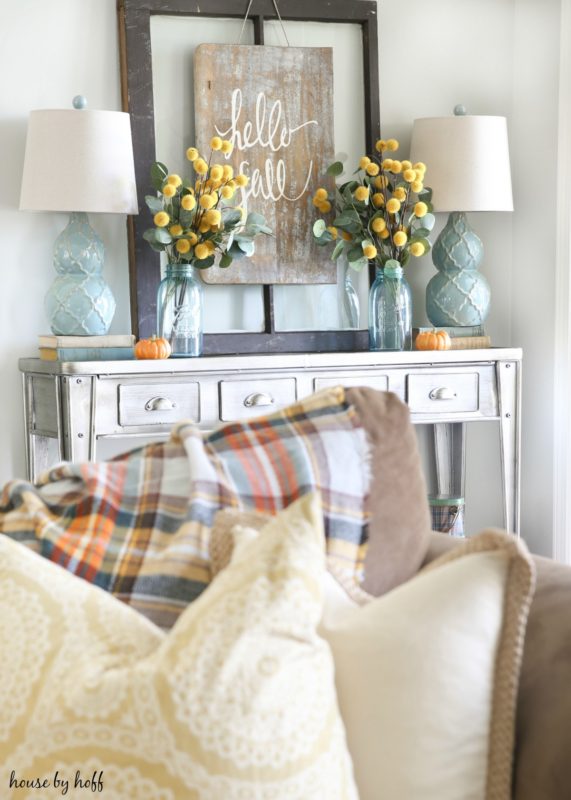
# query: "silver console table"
{"type": "Point", "coordinates": [78, 403]}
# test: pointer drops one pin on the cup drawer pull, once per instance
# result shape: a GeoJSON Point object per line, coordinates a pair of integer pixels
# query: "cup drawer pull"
{"type": "Point", "coordinates": [258, 399]}
{"type": "Point", "coordinates": [159, 404]}
{"type": "Point", "coordinates": [442, 393]}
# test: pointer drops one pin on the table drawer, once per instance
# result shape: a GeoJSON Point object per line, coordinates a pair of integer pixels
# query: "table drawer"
{"type": "Point", "coordinates": [158, 403]}
{"type": "Point", "coordinates": [445, 392]}
{"type": "Point", "coordinates": [379, 382]}
{"type": "Point", "coordinates": [252, 398]}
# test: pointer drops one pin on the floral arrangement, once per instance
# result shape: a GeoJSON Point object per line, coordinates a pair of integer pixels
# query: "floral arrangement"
{"type": "Point", "coordinates": [194, 220]}
{"type": "Point", "coordinates": [383, 215]}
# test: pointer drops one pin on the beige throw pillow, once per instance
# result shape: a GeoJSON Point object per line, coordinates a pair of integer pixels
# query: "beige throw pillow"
{"type": "Point", "coordinates": [236, 701]}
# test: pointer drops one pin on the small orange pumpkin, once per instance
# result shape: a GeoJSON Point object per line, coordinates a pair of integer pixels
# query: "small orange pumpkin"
{"type": "Point", "coordinates": [433, 340]}
{"type": "Point", "coordinates": [152, 348]}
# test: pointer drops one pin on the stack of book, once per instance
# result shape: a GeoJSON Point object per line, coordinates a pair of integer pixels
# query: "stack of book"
{"type": "Point", "coordinates": [471, 337]}
{"type": "Point", "coordinates": [116, 347]}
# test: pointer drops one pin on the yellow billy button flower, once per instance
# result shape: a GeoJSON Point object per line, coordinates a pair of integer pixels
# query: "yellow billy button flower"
{"type": "Point", "coordinates": [364, 162]}
{"type": "Point", "coordinates": [227, 192]}
{"type": "Point", "coordinates": [242, 180]}
{"type": "Point", "coordinates": [378, 225]}
{"type": "Point", "coordinates": [372, 169]}
{"type": "Point", "coordinates": [217, 172]}
{"type": "Point", "coordinates": [393, 205]}
{"type": "Point", "coordinates": [210, 245]}
{"type": "Point", "coordinates": [417, 249]}
{"type": "Point", "coordinates": [420, 166]}
{"type": "Point", "coordinates": [361, 193]}
{"type": "Point", "coordinates": [188, 202]}
{"type": "Point", "coordinates": [369, 251]}
{"type": "Point", "coordinates": [396, 167]}
{"type": "Point", "coordinates": [417, 186]}
{"type": "Point", "coordinates": [192, 238]}
{"type": "Point", "coordinates": [409, 175]}
{"type": "Point", "coordinates": [392, 145]}
{"type": "Point", "coordinates": [216, 143]}
{"type": "Point", "coordinates": [400, 193]}
{"type": "Point", "coordinates": [346, 235]}
{"type": "Point", "coordinates": [192, 154]}
{"type": "Point", "coordinates": [387, 164]}
{"type": "Point", "coordinates": [384, 234]}
{"type": "Point", "coordinates": [380, 145]}
{"type": "Point", "coordinates": [204, 226]}
{"type": "Point", "coordinates": [378, 199]}
{"type": "Point", "coordinates": [420, 209]}
{"type": "Point", "coordinates": [169, 190]}
{"type": "Point", "coordinates": [182, 246]}
{"type": "Point", "coordinates": [213, 217]}
{"type": "Point", "coordinates": [161, 219]}
{"type": "Point", "coordinates": [175, 230]}
{"type": "Point", "coordinates": [207, 201]}
{"type": "Point", "coordinates": [200, 166]}
{"type": "Point", "coordinates": [406, 164]}
{"type": "Point", "coordinates": [321, 194]}
{"type": "Point", "coordinates": [380, 182]}
{"type": "Point", "coordinates": [227, 172]}
{"type": "Point", "coordinates": [201, 251]}
{"type": "Point", "coordinates": [400, 238]}
{"type": "Point", "coordinates": [324, 206]}
{"type": "Point", "coordinates": [176, 180]}
{"type": "Point", "coordinates": [227, 147]}
{"type": "Point", "coordinates": [333, 231]}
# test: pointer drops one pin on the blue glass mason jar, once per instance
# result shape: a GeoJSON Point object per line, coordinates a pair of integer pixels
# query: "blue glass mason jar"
{"type": "Point", "coordinates": [390, 310]}
{"type": "Point", "coordinates": [179, 310]}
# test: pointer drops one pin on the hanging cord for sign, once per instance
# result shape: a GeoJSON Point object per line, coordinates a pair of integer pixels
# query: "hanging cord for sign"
{"type": "Point", "coordinates": [275, 2]}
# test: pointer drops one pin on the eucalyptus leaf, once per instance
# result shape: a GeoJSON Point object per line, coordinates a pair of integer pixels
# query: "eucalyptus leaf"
{"type": "Point", "coordinates": [337, 250]}
{"type": "Point", "coordinates": [225, 260]}
{"type": "Point", "coordinates": [231, 218]}
{"type": "Point", "coordinates": [405, 258]}
{"type": "Point", "coordinates": [421, 232]}
{"type": "Point", "coordinates": [255, 219]}
{"type": "Point", "coordinates": [203, 263]}
{"type": "Point", "coordinates": [425, 194]}
{"type": "Point", "coordinates": [354, 254]}
{"type": "Point", "coordinates": [325, 238]}
{"type": "Point", "coordinates": [236, 252]}
{"type": "Point", "coordinates": [185, 218]}
{"type": "Point", "coordinates": [428, 221]}
{"type": "Point", "coordinates": [158, 175]}
{"type": "Point", "coordinates": [163, 236]}
{"type": "Point", "coordinates": [359, 264]}
{"type": "Point", "coordinates": [319, 227]}
{"type": "Point", "coordinates": [334, 169]}
{"type": "Point", "coordinates": [154, 204]}
{"type": "Point", "coordinates": [249, 248]}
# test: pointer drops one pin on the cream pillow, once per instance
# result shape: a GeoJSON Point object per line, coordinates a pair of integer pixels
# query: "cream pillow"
{"type": "Point", "coordinates": [427, 675]}
{"type": "Point", "coordinates": [236, 701]}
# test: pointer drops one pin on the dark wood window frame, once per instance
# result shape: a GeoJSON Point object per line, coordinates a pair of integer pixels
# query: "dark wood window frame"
{"type": "Point", "coordinates": [137, 94]}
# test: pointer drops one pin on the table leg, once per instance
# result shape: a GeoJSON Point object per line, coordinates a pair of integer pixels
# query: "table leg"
{"type": "Point", "coordinates": [450, 453]}
{"type": "Point", "coordinates": [509, 388]}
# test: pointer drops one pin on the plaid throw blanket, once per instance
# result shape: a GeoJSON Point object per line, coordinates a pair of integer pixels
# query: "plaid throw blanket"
{"type": "Point", "coordinates": [139, 525]}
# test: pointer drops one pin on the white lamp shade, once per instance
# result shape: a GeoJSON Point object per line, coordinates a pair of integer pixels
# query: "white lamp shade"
{"type": "Point", "coordinates": [467, 162]}
{"type": "Point", "coordinates": [79, 160]}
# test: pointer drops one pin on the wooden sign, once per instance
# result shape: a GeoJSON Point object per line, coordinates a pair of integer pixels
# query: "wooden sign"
{"type": "Point", "coordinates": [275, 104]}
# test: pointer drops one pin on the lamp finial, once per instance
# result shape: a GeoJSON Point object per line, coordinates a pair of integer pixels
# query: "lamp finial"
{"type": "Point", "coordinates": [459, 110]}
{"type": "Point", "coordinates": [79, 101]}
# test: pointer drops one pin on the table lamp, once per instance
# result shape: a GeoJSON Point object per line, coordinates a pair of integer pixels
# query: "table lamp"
{"type": "Point", "coordinates": [79, 161]}
{"type": "Point", "coordinates": [468, 169]}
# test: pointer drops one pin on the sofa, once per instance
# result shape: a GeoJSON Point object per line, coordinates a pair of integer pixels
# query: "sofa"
{"type": "Point", "coordinates": [150, 531]}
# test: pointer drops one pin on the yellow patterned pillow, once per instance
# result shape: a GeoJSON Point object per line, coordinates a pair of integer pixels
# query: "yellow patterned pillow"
{"type": "Point", "coordinates": [236, 701]}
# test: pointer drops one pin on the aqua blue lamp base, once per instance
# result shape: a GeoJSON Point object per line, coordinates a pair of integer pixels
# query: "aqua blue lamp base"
{"type": "Point", "coordinates": [458, 294]}
{"type": "Point", "coordinates": [79, 302]}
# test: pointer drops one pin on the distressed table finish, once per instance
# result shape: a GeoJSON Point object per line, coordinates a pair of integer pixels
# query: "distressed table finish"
{"type": "Point", "coordinates": [78, 403]}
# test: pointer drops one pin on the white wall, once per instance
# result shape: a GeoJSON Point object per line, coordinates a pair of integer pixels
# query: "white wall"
{"type": "Point", "coordinates": [495, 56]}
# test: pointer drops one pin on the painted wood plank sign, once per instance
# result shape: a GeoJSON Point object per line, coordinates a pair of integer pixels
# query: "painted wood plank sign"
{"type": "Point", "coordinates": [275, 104]}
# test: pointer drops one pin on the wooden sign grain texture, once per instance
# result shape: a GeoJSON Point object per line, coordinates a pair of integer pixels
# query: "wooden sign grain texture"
{"type": "Point", "coordinates": [276, 106]}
